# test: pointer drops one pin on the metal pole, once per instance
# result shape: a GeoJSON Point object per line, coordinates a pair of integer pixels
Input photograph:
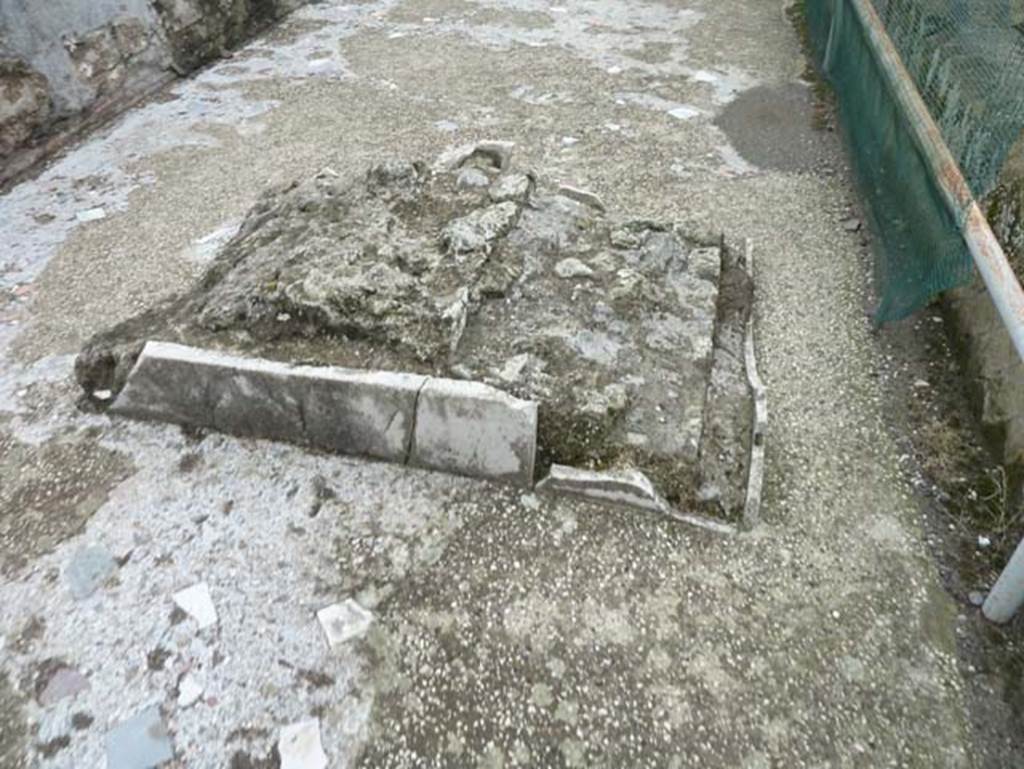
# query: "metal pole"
{"type": "Point", "coordinates": [1008, 594]}
{"type": "Point", "coordinates": [1003, 287]}
{"type": "Point", "coordinates": [1002, 284]}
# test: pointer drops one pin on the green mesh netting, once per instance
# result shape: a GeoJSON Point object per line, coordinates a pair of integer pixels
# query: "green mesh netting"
{"type": "Point", "coordinates": [967, 59]}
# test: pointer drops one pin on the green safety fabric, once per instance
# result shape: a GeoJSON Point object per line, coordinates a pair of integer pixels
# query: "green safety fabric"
{"type": "Point", "coordinates": [967, 60]}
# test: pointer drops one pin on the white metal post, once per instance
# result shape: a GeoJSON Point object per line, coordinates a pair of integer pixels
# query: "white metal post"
{"type": "Point", "coordinates": [1008, 594]}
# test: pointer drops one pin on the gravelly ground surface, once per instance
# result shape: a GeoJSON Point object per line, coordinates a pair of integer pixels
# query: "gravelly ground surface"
{"type": "Point", "coordinates": [509, 630]}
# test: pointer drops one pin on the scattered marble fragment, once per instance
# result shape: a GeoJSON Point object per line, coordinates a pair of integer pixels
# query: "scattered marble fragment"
{"type": "Point", "coordinates": [65, 682]}
{"type": "Point", "coordinates": [189, 691]}
{"type": "Point", "coordinates": [88, 569]}
{"type": "Point", "coordinates": [196, 602]}
{"type": "Point", "coordinates": [141, 742]}
{"type": "Point", "coordinates": [299, 746]}
{"type": "Point", "coordinates": [344, 621]}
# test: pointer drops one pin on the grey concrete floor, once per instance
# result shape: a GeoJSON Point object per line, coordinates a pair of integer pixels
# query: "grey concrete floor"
{"type": "Point", "coordinates": [509, 630]}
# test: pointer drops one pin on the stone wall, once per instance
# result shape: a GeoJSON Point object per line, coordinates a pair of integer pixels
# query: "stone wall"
{"type": "Point", "coordinates": [1005, 207]}
{"type": "Point", "coordinates": [199, 30]}
{"type": "Point", "coordinates": [65, 60]}
{"type": "Point", "coordinates": [993, 363]}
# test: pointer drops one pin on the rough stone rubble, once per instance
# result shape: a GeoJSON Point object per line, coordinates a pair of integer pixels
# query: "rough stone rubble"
{"type": "Point", "coordinates": [473, 270]}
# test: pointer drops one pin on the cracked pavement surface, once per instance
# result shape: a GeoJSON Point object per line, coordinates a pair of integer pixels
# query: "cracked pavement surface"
{"type": "Point", "coordinates": [509, 629]}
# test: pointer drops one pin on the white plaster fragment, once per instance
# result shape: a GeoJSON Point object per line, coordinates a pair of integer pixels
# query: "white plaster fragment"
{"type": "Point", "coordinates": [196, 602]}
{"type": "Point", "coordinates": [344, 621]}
{"type": "Point", "coordinates": [299, 746]}
{"type": "Point", "coordinates": [91, 215]}
{"type": "Point", "coordinates": [189, 691]}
